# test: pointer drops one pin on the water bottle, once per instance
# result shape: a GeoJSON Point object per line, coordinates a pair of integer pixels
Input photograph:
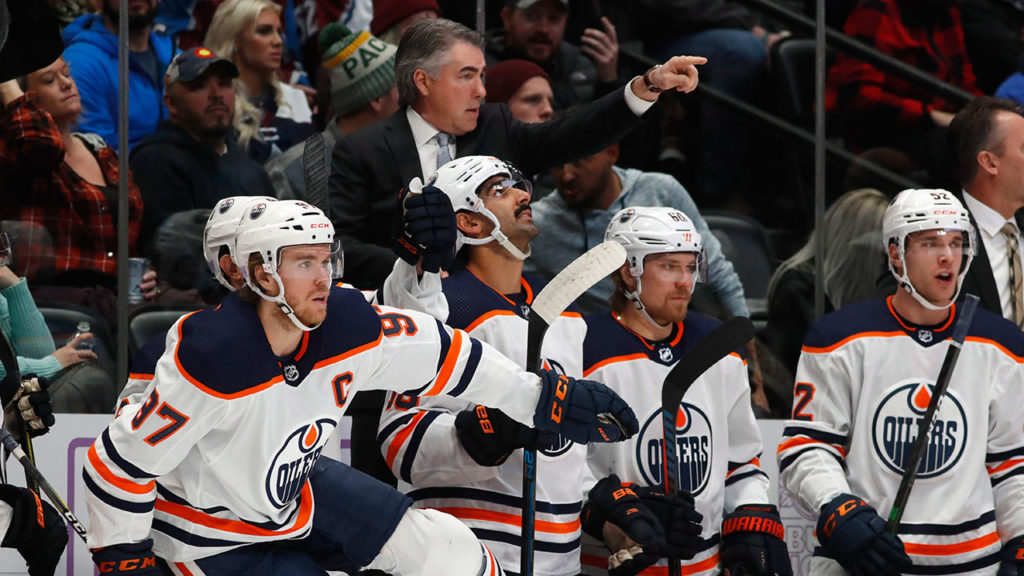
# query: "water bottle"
{"type": "Point", "coordinates": [82, 328]}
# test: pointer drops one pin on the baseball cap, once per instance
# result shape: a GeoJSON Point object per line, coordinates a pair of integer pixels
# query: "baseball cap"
{"type": "Point", "coordinates": [191, 64]}
{"type": "Point", "coordinates": [524, 4]}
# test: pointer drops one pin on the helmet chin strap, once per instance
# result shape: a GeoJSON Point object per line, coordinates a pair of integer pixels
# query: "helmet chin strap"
{"type": "Point", "coordinates": [281, 302]}
{"type": "Point", "coordinates": [634, 297]}
{"type": "Point", "coordinates": [904, 282]}
{"type": "Point", "coordinates": [496, 234]}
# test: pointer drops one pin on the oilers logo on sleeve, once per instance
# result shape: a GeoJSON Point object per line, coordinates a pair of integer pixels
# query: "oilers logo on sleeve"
{"type": "Point", "coordinates": [290, 467]}
{"type": "Point", "coordinates": [895, 427]}
{"type": "Point", "coordinates": [694, 444]}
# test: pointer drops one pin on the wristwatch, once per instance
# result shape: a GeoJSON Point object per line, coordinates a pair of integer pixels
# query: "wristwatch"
{"type": "Point", "coordinates": [647, 80]}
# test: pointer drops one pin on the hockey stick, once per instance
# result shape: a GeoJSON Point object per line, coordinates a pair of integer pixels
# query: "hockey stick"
{"type": "Point", "coordinates": [30, 470]}
{"type": "Point", "coordinates": [717, 344]}
{"type": "Point", "coordinates": [963, 324]}
{"type": "Point", "coordinates": [10, 362]}
{"type": "Point", "coordinates": [314, 171]}
{"type": "Point", "coordinates": [567, 286]}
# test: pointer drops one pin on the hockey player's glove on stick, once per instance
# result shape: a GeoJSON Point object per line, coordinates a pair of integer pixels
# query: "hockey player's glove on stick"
{"type": "Point", "coordinates": [10, 362]}
{"type": "Point", "coordinates": [611, 501]}
{"type": "Point", "coordinates": [1013, 558]}
{"type": "Point", "coordinates": [853, 534]}
{"type": "Point", "coordinates": [489, 436]}
{"type": "Point", "coordinates": [679, 520]}
{"type": "Point", "coordinates": [37, 531]}
{"type": "Point", "coordinates": [127, 559]}
{"type": "Point", "coordinates": [754, 542]}
{"type": "Point", "coordinates": [30, 406]}
{"type": "Point", "coordinates": [963, 324]}
{"type": "Point", "coordinates": [32, 472]}
{"type": "Point", "coordinates": [428, 226]}
{"type": "Point", "coordinates": [583, 411]}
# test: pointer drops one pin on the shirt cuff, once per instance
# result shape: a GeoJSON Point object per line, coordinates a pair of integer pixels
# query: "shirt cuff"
{"type": "Point", "coordinates": [636, 104]}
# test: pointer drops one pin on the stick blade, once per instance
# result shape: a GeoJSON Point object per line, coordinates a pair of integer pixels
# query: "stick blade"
{"type": "Point", "coordinates": [728, 336]}
{"type": "Point", "coordinates": [314, 171]}
{"type": "Point", "coordinates": [577, 278]}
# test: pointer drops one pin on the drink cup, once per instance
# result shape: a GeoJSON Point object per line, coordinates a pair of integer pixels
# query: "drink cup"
{"type": "Point", "coordinates": [136, 268]}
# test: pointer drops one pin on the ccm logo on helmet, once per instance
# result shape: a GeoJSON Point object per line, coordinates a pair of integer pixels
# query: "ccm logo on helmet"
{"type": "Point", "coordinates": [945, 212]}
{"type": "Point", "coordinates": [319, 225]}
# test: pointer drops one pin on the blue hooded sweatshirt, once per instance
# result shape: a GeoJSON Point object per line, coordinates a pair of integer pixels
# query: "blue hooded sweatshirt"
{"type": "Point", "coordinates": [91, 52]}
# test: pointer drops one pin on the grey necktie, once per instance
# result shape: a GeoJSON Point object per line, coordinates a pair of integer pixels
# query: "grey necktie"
{"type": "Point", "coordinates": [1016, 278]}
{"type": "Point", "coordinates": [444, 155]}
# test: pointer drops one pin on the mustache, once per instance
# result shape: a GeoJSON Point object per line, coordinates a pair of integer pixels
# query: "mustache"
{"type": "Point", "coordinates": [522, 209]}
{"type": "Point", "coordinates": [540, 38]}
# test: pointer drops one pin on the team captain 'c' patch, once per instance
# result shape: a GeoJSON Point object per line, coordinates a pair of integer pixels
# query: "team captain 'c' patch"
{"type": "Point", "coordinates": [895, 423]}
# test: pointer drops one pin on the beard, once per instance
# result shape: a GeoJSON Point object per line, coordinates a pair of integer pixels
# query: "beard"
{"type": "Point", "coordinates": [136, 22]}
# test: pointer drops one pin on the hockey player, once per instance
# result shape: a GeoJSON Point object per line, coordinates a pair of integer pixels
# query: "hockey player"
{"type": "Point", "coordinates": [864, 379]}
{"type": "Point", "coordinates": [210, 472]}
{"type": "Point", "coordinates": [455, 456]}
{"type": "Point", "coordinates": [632, 349]}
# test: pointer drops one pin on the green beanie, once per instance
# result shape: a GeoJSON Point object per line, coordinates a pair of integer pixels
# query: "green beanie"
{"type": "Point", "coordinates": [361, 67]}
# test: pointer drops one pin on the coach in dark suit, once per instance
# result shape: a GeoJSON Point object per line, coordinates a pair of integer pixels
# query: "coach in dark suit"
{"type": "Point", "coordinates": [439, 68]}
{"type": "Point", "coordinates": [986, 141]}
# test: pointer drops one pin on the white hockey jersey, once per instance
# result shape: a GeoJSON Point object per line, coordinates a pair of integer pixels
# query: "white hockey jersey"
{"type": "Point", "coordinates": [419, 443]}
{"type": "Point", "coordinates": [219, 453]}
{"type": "Point", "coordinates": [864, 379]}
{"type": "Point", "coordinates": [719, 443]}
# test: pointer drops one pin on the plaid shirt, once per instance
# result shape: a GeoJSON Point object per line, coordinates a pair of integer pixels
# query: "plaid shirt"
{"type": "Point", "coordinates": [868, 96]}
{"type": "Point", "coordinates": [43, 192]}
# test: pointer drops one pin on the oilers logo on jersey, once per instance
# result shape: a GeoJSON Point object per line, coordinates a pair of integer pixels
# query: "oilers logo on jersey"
{"type": "Point", "coordinates": [292, 463]}
{"type": "Point", "coordinates": [694, 445]}
{"type": "Point", "coordinates": [895, 424]}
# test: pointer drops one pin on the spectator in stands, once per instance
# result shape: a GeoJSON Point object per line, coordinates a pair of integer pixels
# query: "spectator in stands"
{"type": "Point", "coordinates": [191, 161]}
{"type": "Point", "coordinates": [76, 383]}
{"type": "Point", "coordinates": [854, 258]}
{"type": "Point", "coordinates": [361, 72]}
{"type": "Point", "coordinates": [91, 53]}
{"type": "Point", "coordinates": [392, 17]}
{"type": "Point", "coordinates": [64, 185]}
{"type": "Point", "coordinates": [994, 36]}
{"type": "Point", "coordinates": [522, 86]}
{"type": "Point", "coordinates": [534, 30]}
{"type": "Point", "coordinates": [881, 109]}
{"type": "Point", "coordinates": [438, 68]}
{"type": "Point", "coordinates": [270, 116]}
{"type": "Point", "coordinates": [736, 46]}
{"type": "Point", "coordinates": [987, 146]}
{"type": "Point", "coordinates": [1012, 88]}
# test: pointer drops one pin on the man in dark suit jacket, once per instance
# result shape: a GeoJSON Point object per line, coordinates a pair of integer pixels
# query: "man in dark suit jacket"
{"type": "Point", "coordinates": [439, 67]}
{"type": "Point", "coordinates": [986, 140]}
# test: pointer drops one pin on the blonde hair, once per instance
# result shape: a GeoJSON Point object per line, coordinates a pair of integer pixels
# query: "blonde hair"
{"type": "Point", "coordinates": [854, 255]}
{"type": "Point", "coordinates": [231, 19]}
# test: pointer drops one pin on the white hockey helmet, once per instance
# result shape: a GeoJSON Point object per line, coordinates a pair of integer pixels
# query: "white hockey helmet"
{"type": "Point", "coordinates": [915, 210]}
{"type": "Point", "coordinates": [461, 180]}
{"type": "Point", "coordinates": [220, 231]}
{"type": "Point", "coordinates": [268, 227]}
{"type": "Point", "coordinates": [643, 231]}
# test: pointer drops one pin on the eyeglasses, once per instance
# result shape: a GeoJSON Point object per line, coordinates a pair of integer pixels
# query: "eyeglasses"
{"type": "Point", "coordinates": [499, 188]}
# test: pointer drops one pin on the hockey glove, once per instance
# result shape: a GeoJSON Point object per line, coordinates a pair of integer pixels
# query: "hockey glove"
{"type": "Point", "coordinates": [583, 410]}
{"type": "Point", "coordinates": [754, 542]}
{"type": "Point", "coordinates": [1013, 558]}
{"type": "Point", "coordinates": [127, 559]}
{"type": "Point", "coordinates": [611, 501]}
{"type": "Point", "coordinates": [489, 436]}
{"type": "Point", "coordinates": [37, 531]}
{"type": "Point", "coordinates": [30, 404]}
{"type": "Point", "coordinates": [679, 519]}
{"type": "Point", "coordinates": [428, 226]}
{"type": "Point", "coordinates": [853, 534]}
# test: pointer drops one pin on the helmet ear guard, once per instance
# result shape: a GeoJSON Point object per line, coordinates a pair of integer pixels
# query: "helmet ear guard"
{"type": "Point", "coordinates": [917, 210]}
{"type": "Point", "coordinates": [644, 231]}
{"type": "Point", "coordinates": [269, 227]}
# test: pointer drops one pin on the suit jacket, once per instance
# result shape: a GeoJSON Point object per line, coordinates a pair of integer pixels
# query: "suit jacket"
{"type": "Point", "coordinates": [979, 280]}
{"type": "Point", "coordinates": [371, 165]}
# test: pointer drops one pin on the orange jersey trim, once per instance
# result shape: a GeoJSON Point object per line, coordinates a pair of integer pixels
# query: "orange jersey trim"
{"type": "Point", "coordinates": [401, 437]}
{"type": "Point", "coordinates": [980, 340]}
{"type": "Point", "coordinates": [844, 341]}
{"type": "Point", "coordinates": [794, 442]}
{"type": "Point", "coordinates": [139, 376]}
{"type": "Point", "coordinates": [240, 526]}
{"type": "Point", "coordinates": [511, 520]}
{"type": "Point", "coordinates": [1005, 465]}
{"type": "Point", "coordinates": [702, 566]}
{"type": "Point", "coordinates": [492, 314]}
{"type": "Point", "coordinates": [184, 569]}
{"type": "Point", "coordinates": [449, 365]}
{"type": "Point", "coordinates": [756, 462]}
{"type": "Point", "coordinates": [122, 483]}
{"type": "Point", "coordinates": [951, 549]}
{"type": "Point", "coordinates": [613, 360]}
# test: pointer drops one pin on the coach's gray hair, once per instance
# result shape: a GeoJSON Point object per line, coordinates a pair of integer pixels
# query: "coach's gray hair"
{"type": "Point", "coordinates": [854, 253]}
{"type": "Point", "coordinates": [424, 46]}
